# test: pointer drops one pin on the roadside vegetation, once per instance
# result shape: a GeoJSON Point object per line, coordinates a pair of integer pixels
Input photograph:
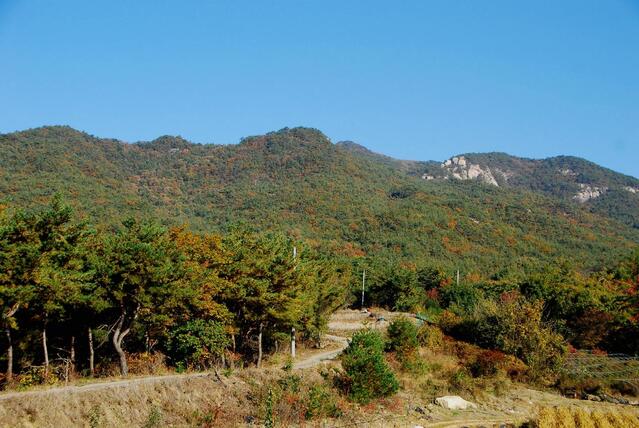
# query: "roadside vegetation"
{"type": "Point", "coordinates": [79, 301]}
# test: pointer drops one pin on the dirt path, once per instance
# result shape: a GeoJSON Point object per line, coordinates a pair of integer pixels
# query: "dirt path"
{"type": "Point", "coordinates": [306, 363]}
{"type": "Point", "coordinates": [101, 385]}
{"type": "Point", "coordinates": [323, 356]}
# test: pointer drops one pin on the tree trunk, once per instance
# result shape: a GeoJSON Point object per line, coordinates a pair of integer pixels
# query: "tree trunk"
{"type": "Point", "coordinates": [45, 348]}
{"type": "Point", "coordinates": [72, 354]}
{"type": "Point", "coordinates": [91, 352]}
{"type": "Point", "coordinates": [259, 347]}
{"type": "Point", "coordinates": [118, 337]}
{"type": "Point", "coordinates": [9, 356]}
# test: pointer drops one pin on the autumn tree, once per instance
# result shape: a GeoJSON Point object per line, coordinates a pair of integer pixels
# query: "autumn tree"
{"type": "Point", "coordinates": [267, 286]}
{"type": "Point", "coordinates": [140, 270]}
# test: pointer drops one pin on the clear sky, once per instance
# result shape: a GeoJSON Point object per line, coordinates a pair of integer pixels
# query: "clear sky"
{"type": "Point", "coordinates": [412, 79]}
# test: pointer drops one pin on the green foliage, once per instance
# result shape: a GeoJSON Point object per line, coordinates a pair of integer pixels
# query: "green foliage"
{"type": "Point", "coordinates": [173, 289]}
{"type": "Point", "coordinates": [154, 419]}
{"type": "Point", "coordinates": [514, 327]}
{"type": "Point", "coordinates": [269, 420]}
{"type": "Point", "coordinates": [321, 403]}
{"type": "Point", "coordinates": [296, 182]}
{"type": "Point", "coordinates": [200, 343]}
{"type": "Point", "coordinates": [402, 339]}
{"type": "Point", "coordinates": [462, 296]}
{"type": "Point", "coordinates": [95, 416]}
{"type": "Point", "coordinates": [430, 337]}
{"type": "Point", "coordinates": [346, 210]}
{"type": "Point", "coordinates": [366, 374]}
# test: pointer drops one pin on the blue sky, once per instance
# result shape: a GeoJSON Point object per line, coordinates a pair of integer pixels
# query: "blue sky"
{"type": "Point", "coordinates": [411, 79]}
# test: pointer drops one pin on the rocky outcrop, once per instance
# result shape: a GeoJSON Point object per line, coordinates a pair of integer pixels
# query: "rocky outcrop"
{"type": "Point", "coordinates": [460, 168]}
{"type": "Point", "coordinates": [631, 189]}
{"type": "Point", "coordinates": [567, 172]}
{"type": "Point", "coordinates": [454, 402]}
{"type": "Point", "coordinates": [587, 193]}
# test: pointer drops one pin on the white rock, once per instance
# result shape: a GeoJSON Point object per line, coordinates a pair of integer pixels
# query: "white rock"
{"type": "Point", "coordinates": [454, 402]}
{"type": "Point", "coordinates": [567, 172]}
{"type": "Point", "coordinates": [461, 168]}
{"type": "Point", "coordinates": [587, 192]}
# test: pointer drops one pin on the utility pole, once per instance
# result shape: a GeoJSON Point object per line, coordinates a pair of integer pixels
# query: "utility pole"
{"type": "Point", "coordinates": [363, 286]}
{"type": "Point", "coordinates": [294, 253]}
{"type": "Point", "coordinates": [458, 277]}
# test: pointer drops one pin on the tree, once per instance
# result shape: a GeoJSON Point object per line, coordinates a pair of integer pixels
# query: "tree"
{"type": "Point", "coordinates": [18, 259]}
{"type": "Point", "coordinates": [267, 287]}
{"type": "Point", "coordinates": [198, 342]}
{"type": "Point", "coordinates": [58, 272]}
{"type": "Point", "coordinates": [366, 374]}
{"type": "Point", "coordinates": [329, 293]}
{"type": "Point", "coordinates": [37, 252]}
{"type": "Point", "coordinates": [139, 269]}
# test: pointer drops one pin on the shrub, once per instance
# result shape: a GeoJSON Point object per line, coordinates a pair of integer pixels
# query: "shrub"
{"type": "Point", "coordinates": [516, 328]}
{"type": "Point", "coordinates": [461, 382]}
{"type": "Point", "coordinates": [321, 403]}
{"type": "Point", "coordinates": [367, 376]}
{"type": "Point", "coordinates": [448, 321]}
{"type": "Point", "coordinates": [430, 337]}
{"type": "Point", "coordinates": [488, 363]}
{"type": "Point", "coordinates": [198, 343]}
{"type": "Point", "coordinates": [292, 399]}
{"type": "Point", "coordinates": [402, 337]}
{"type": "Point", "coordinates": [464, 296]}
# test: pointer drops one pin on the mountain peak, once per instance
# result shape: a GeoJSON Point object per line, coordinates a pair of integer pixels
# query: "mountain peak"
{"type": "Point", "coordinates": [167, 142]}
{"type": "Point", "coordinates": [51, 131]}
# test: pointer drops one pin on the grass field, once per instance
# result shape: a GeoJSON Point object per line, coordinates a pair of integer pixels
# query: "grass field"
{"type": "Point", "coordinates": [565, 417]}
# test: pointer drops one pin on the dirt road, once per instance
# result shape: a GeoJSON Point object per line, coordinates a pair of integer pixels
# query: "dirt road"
{"type": "Point", "coordinates": [316, 359]}
{"type": "Point", "coordinates": [306, 363]}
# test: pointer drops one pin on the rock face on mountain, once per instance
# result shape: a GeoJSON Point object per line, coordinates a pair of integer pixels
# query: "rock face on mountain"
{"type": "Point", "coordinates": [588, 192]}
{"type": "Point", "coordinates": [460, 168]}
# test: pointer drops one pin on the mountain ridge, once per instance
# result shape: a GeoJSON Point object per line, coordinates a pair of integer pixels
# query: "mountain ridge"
{"type": "Point", "coordinates": [295, 180]}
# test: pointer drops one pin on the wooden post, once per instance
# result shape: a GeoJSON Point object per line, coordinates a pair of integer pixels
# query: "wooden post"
{"type": "Point", "coordinates": [91, 352]}
{"type": "Point", "coordinates": [363, 286]}
{"type": "Point", "coordinates": [9, 356]}
{"type": "Point", "coordinates": [259, 347]}
{"type": "Point", "coordinates": [45, 349]}
{"type": "Point", "coordinates": [72, 355]}
{"type": "Point", "coordinates": [293, 342]}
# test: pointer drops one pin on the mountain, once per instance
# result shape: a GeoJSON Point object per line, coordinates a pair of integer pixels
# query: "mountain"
{"type": "Point", "coordinates": [569, 178]}
{"type": "Point", "coordinates": [340, 198]}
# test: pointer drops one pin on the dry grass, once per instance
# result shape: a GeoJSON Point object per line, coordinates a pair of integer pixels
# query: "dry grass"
{"type": "Point", "coordinates": [565, 417]}
{"type": "Point", "coordinates": [187, 402]}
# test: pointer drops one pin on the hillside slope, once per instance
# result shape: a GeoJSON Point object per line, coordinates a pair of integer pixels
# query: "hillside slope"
{"type": "Point", "coordinates": [296, 180]}
{"type": "Point", "coordinates": [572, 179]}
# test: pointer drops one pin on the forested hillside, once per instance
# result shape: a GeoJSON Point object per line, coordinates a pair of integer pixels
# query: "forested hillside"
{"type": "Point", "coordinates": [296, 181]}
{"type": "Point", "coordinates": [571, 179]}
{"type": "Point", "coordinates": [203, 253]}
